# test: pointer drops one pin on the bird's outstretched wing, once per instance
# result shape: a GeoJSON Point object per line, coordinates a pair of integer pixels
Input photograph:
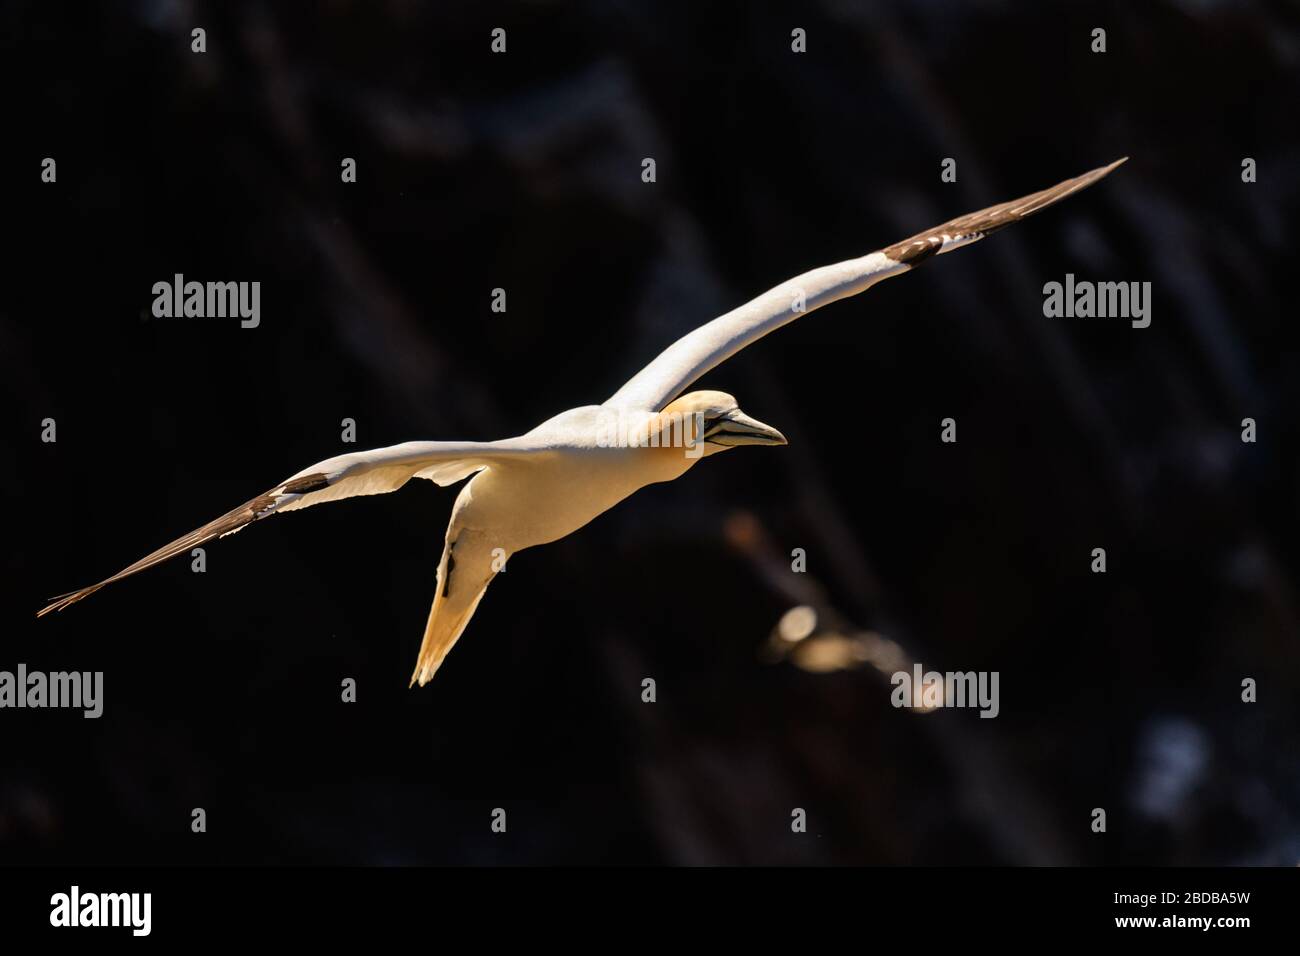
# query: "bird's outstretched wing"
{"type": "Point", "coordinates": [374, 472]}
{"type": "Point", "coordinates": [710, 345]}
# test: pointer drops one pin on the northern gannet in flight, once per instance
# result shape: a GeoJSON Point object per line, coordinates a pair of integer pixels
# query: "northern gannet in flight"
{"type": "Point", "coordinates": [548, 483]}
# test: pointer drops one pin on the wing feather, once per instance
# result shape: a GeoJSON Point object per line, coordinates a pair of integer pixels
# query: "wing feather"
{"type": "Point", "coordinates": [695, 353]}
{"type": "Point", "coordinates": [374, 472]}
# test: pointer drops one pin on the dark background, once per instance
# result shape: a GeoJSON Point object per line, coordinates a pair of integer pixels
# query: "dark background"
{"type": "Point", "coordinates": [522, 171]}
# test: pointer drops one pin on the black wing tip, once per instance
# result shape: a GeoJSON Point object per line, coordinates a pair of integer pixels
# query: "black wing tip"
{"type": "Point", "coordinates": [923, 246]}
{"type": "Point", "coordinates": [228, 523]}
{"type": "Point", "coordinates": [1103, 171]}
{"type": "Point", "coordinates": [60, 601]}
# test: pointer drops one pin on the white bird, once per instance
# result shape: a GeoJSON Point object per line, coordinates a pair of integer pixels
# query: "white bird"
{"type": "Point", "coordinates": [548, 483]}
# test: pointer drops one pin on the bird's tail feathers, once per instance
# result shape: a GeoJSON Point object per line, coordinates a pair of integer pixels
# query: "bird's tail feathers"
{"type": "Point", "coordinates": [464, 573]}
{"type": "Point", "coordinates": [440, 635]}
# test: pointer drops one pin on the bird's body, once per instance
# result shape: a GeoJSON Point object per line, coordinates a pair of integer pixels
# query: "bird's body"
{"type": "Point", "coordinates": [531, 501]}
{"type": "Point", "coordinates": [553, 480]}
{"type": "Point", "coordinates": [544, 502]}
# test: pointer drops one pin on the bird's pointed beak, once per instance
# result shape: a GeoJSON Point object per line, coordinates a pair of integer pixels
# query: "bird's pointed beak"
{"type": "Point", "coordinates": [737, 428]}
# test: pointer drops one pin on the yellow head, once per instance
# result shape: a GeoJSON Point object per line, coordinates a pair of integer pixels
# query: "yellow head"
{"type": "Point", "coordinates": [715, 419]}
